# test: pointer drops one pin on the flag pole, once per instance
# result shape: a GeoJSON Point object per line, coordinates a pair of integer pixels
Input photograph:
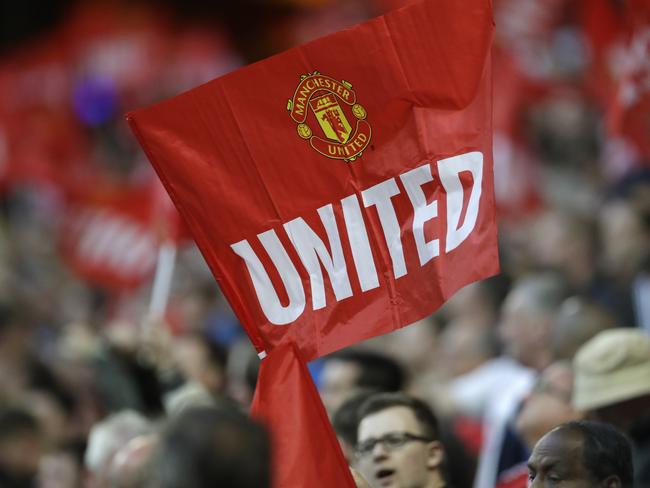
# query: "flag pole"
{"type": "Point", "coordinates": [162, 281]}
{"type": "Point", "coordinates": [153, 334]}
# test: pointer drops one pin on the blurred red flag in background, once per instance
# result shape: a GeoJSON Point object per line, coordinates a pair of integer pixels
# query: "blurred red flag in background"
{"type": "Point", "coordinates": [107, 239]}
{"type": "Point", "coordinates": [619, 37]}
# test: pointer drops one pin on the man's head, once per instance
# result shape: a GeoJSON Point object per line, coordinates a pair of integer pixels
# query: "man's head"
{"type": "Point", "coordinates": [129, 467]}
{"type": "Point", "coordinates": [463, 347]}
{"type": "Point", "coordinates": [21, 444]}
{"type": "Point", "coordinates": [578, 320]}
{"type": "Point", "coordinates": [612, 373]}
{"type": "Point", "coordinates": [108, 437]}
{"type": "Point", "coordinates": [625, 237]}
{"type": "Point", "coordinates": [202, 361]}
{"type": "Point", "coordinates": [208, 447]}
{"type": "Point", "coordinates": [548, 405]}
{"type": "Point", "coordinates": [581, 454]}
{"type": "Point", "coordinates": [348, 372]}
{"type": "Point", "coordinates": [345, 423]}
{"type": "Point", "coordinates": [527, 319]}
{"type": "Point", "coordinates": [397, 443]}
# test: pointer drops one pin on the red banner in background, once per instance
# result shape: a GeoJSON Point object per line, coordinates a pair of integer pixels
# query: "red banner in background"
{"type": "Point", "coordinates": [329, 249]}
{"type": "Point", "coordinates": [108, 241]}
{"type": "Point", "coordinates": [619, 39]}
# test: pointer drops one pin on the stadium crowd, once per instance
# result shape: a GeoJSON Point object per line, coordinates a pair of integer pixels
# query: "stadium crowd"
{"type": "Point", "coordinates": [96, 390]}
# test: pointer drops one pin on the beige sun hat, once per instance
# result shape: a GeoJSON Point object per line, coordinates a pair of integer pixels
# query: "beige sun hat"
{"type": "Point", "coordinates": [611, 367]}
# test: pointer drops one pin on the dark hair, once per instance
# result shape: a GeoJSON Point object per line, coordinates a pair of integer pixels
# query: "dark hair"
{"type": "Point", "coordinates": [16, 421]}
{"type": "Point", "coordinates": [606, 451]}
{"type": "Point", "coordinates": [217, 353]}
{"type": "Point", "coordinates": [209, 447]}
{"type": "Point", "coordinates": [424, 415]}
{"type": "Point", "coordinates": [8, 316]}
{"type": "Point", "coordinates": [378, 372]}
{"type": "Point", "coordinates": [345, 420]}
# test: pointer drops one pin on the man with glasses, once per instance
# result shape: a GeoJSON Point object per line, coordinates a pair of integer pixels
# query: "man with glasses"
{"type": "Point", "coordinates": [397, 443]}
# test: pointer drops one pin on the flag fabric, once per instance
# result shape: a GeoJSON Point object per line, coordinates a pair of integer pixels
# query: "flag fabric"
{"type": "Point", "coordinates": [338, 191]}
{"type": "Point", "coordinates": [107, 239]}
{"type": "Point", "coordinates": [342, 189]}
{"type": "Point", "coordinates": [619, 40]}
{"type": "Point", "coordinates": [287, 401]}
{"type": "Point", "coordinates": [166, 223]}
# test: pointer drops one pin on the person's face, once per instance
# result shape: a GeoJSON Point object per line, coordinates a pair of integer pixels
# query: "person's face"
{"type": "Point", "coordinates": [548, 405]}
{"type": "Point", "coordinates": [523, 331]}
{"type": "Point", "coordinates": [519, 330]}
{"type": "Point", "coordinates": [338, 382]}
{"type": "Point", "coordinates": [21, 454]}
{"type": "Point", "coordinates": [412, 465]}
{"type": "Point", "coordinates": [624, 238]}
{"type": "Point", "coordinates": [557, 461]}
{"type": "Point", "coordinates": [193, 360]}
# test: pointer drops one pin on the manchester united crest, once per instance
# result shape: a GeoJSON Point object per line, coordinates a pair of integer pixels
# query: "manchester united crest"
{"type": "Point", "coordinates": [323, 104]}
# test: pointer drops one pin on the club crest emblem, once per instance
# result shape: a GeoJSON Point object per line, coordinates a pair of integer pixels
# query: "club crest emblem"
{"type": "Point", "coordinates": [330, 106]}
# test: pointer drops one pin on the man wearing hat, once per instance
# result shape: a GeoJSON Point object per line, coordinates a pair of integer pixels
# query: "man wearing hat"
{"type": "Point", "coordinates": [612, 384]}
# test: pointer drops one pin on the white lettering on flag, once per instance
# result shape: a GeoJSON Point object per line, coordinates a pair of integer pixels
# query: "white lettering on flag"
{"type": "Point", "coordinates": [316, 256]}
{"type": "Point", "coordinates": [380, 196]}
{"type": "Point", "coordinates": [450, 170]}
{"type": "Point", "coordinates": [359, 244]}
{"type": "Point", "coordinates": [413, 181]}
{"type": "Point", "coordinates": [311, 249]}
{"type": "Point", "coordinates": [266, 294]}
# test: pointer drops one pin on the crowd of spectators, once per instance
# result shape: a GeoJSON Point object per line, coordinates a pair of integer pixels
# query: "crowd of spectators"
{"type": "Point", "coordinates": [95, 389]}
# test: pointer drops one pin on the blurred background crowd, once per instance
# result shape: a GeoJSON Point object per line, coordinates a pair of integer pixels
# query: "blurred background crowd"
{"type": "Point", "coordinates": [87, 372]}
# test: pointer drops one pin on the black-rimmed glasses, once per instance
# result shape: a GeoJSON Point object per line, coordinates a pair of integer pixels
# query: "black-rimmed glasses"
{"type": "Point", "coordinates": [390, 442]}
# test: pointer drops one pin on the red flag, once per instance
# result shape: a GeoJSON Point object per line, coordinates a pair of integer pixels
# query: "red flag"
{"type": "Point", "coordinates": [286, 400]}
{"type": "Point", "coordinates": [619, 37]}
{"type": "Point", "coordinates": [342, 189]}
{"type": "Point", "coordinates": [166, 223]}
{"type": "Point", "coordinates": [107, 239]}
